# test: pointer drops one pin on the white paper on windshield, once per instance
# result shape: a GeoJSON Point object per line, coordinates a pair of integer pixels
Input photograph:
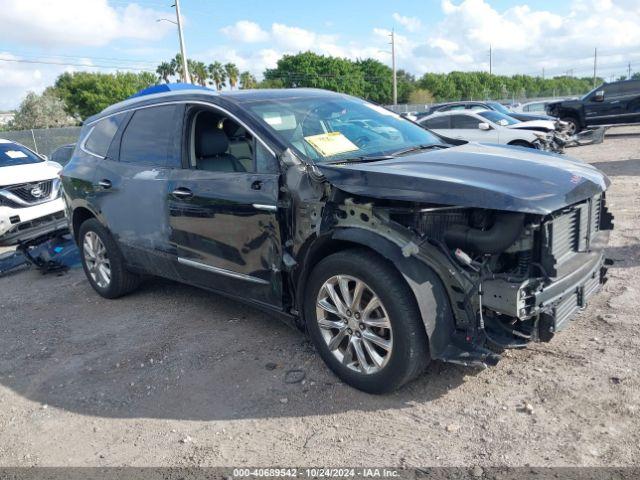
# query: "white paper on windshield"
{"type": "Point", "coordinates": [15, 154]}
{"type": "Point", "coordinates": [332, 143]}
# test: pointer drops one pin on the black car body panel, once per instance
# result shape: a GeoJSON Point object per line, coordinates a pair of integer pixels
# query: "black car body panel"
{"type": "Point", "coordinates": [608, 104]}
{"type": "Point", "coordinates": [475, 175]}
{"type": "Point", "coordinates": [256, 235]}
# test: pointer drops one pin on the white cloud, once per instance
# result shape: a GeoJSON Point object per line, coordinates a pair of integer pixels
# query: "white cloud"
{"type": "Point", "coordinates": [71, 22]}
{"type": "Point", "coordinates": [526, 39]}
{"type": "Point", "coordinates": [246, 32]}
{"type": "Point", "coordinates": [412, 24]}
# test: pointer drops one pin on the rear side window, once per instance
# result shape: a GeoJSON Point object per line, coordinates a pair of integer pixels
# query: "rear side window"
{"type": "Point", "coordinates": [464, 122]}
{"type": "Point", "coordinates": [436, 122]}
{"type": "Point", "coordinates": [149, 138]}
{"type": "Point", "coordinates": [102, 134]}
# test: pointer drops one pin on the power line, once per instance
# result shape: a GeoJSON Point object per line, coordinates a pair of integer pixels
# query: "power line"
{"type": "Point", "coordinates": [15, 60]}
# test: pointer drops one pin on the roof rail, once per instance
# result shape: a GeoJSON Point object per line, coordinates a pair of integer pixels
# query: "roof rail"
{"type": "Point", "coordinates": [168, 87]}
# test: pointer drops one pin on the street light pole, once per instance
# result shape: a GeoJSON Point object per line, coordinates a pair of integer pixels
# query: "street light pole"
{"type": "Point", "coordinates": [183, 52]}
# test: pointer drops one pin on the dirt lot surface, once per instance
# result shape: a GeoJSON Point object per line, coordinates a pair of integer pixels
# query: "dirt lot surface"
{"type": "Point", "coordinates": [172, 375]}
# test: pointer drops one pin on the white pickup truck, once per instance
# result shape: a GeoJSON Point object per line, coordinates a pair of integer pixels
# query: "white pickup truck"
{"type": "Point", "coordinates": [31, 203]}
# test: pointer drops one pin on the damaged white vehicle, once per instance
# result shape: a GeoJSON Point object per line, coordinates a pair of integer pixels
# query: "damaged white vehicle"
{"type": "Point", "coordinates": [488, 126]}
{"type": "Point", "coordinates": [31, 203]}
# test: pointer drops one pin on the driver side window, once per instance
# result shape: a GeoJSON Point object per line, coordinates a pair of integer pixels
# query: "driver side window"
{"type": "Point", "coordinates": [218, 143]}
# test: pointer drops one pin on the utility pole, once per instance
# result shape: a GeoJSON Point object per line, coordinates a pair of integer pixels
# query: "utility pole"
{"type": "Point", "coordinates": [183, 52]}
{"type": "Point", "coordinates": [393, 66]}
{"type": "Point", "coordinates": [543, 73]}
{"type": "Point", "coordinates": [490, 60]}
{"type": "Point", "coordinates": [629, 71]}
{"type": "Point", "coordinates": [595, 64]}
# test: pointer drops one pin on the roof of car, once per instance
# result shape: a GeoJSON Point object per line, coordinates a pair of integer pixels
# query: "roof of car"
{"type": "Point", "coordinates": [236, 96]}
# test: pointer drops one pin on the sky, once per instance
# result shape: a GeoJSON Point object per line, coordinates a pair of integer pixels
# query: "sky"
{"type": "Point", "coordinates": [40, 39]}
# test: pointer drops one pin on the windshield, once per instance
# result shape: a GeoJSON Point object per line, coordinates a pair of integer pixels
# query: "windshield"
{"type": "Point", "coordinates": [338, 127]}
{"type": "Point", "coordinates": [12, 154]}
{"type": "Point", "coordinates": [499, 118]}
{"type": "Point", "coordinates": [498, 107]}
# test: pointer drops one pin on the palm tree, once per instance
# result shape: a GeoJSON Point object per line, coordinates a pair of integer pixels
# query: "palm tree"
{"type": "Point", "coordinates": [232, 74]}
{"type": "Point", "coordinates": [198, 71]}
{"type": "Point", "coordinates": [247, 80]}
{"type": "Point", "coordinates": [164, 71]}
{"type": "Point", "coordinates": [176, 65]}
{"type": "Point", "coordinates": [217, 74]}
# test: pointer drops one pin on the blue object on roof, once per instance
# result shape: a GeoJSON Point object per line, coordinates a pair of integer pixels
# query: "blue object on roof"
{"type": "Point", "coordinates": [168, 87]}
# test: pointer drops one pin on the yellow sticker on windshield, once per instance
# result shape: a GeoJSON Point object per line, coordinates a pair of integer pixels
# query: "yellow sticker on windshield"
{"type": "Point", "coordinates": [332, 143]}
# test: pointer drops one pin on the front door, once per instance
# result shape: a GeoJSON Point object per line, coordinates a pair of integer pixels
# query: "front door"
{"type": "Point", "coordinates": [223, 210]}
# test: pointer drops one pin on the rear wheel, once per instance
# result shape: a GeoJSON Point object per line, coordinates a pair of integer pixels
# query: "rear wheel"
{"type": "Point", "coordinates": [102, 261]}
{"type": "Point", "coordinates": [364, 321]}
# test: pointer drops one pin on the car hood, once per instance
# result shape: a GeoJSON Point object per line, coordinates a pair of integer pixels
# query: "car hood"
{"type": "Point", "coordinates": [32, 172]}
{"type": "Point", "coordinates": [474, 175]}
{"type": "Point", "coordinates": [534, 124]}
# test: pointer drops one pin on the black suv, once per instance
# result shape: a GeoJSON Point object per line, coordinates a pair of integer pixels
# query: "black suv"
{"type": "Point", "coordinates": [387, 243]}
{"type": "Point", "coordinates": [609, 104]}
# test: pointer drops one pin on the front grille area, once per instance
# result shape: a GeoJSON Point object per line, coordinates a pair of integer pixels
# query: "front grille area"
{"type": "Point", "coordinates": [571, 303]}
{"type": "Point", "coordinates": [32, 192]}
{"type": "Point", "coordinates": [569, 232]}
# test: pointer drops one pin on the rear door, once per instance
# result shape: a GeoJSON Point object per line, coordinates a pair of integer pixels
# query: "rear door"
{"type": "Point", "coordinates": [133, 182]}
{"type": "Point", "coordinates": [223, 209]}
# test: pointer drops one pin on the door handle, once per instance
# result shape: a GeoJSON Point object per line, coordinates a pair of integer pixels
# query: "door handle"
{"type": "Point", "coordinates": [182, 193]}
{"type": "Point", "coordinates": [105, 183]}
{"type": "Point", "coordinates": [257, 185]}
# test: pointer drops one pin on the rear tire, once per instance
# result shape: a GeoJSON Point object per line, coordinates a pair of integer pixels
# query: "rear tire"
{"type": "Point", "coordinates": [102, 261]}
{"type": "Point", "coordinates": [388, 345]}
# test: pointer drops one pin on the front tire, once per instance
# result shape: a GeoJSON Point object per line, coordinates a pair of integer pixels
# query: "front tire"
{"type": "Point", "coordinates": [364, 321]}
{"type": "Point", "coordinates": [103, 262]}
{"type": "Point", "coordinates": [573, 126]}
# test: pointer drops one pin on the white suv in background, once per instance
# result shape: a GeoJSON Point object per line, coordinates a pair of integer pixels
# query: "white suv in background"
{"type": "Point", "coordinates": [31, 204]}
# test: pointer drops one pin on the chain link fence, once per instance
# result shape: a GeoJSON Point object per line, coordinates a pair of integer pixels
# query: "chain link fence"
{"type": "Point", "coordinates": [43, 140]}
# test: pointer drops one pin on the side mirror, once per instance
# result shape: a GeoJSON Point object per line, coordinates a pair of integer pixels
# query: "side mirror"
{"type": "Point", "coordinates": [599, 96]}
{"type": "Point", "coordinates": [484, 126]}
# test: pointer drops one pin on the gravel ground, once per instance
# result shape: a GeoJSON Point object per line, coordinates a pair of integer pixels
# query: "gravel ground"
{"type": "Point", "coordinates": [176, 376]}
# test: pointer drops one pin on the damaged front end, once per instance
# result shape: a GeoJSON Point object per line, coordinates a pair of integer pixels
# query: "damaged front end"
{"type": "Point", "coordinates": [510, 275]}
{"type": "Point", "coordinates": [511, 278]}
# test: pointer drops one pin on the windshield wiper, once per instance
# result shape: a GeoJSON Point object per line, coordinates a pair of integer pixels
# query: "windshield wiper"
{"type": "Point", "coordinates": [418, 148]}
{"type": "Point", "coordinates": [364, 159]}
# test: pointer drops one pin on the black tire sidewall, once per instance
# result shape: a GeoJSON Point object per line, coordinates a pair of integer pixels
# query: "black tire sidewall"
{"type": "Point", "coordinates": [118, 271]}
{"type": "Point", "coordinates": [410, 342]}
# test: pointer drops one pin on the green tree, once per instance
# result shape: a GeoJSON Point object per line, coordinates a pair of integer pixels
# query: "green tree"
{"type": "Point", "coordinates": [178, 67]}
{"type": "Point", "coordinates": [41, 111]}
{"type": "Point", "coordinates": [635, 76]}
{"type": "Point", "coordinates": [165, 70]}
{"type": "Point", "coordinates": [198, 72]}
{"type": "Point", "coordinates": [218, 75]}
{"type": "Point", "coordinates": [420, 96]}
{"type": "Point", "coordinates": [309, 69]}
{"type": "Point", "coordinates": [87, 93]}
{"type": "Point", "coordinates": [232, 74]}
{"type": "Point", "coordinates": [378, 80]}
{"type": "Point", "coordinates": [247, 81]}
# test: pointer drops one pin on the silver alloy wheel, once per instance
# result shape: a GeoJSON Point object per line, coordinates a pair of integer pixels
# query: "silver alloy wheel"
{"type": "Point", "coordinates": [354, 323]}
{"type": "Point", "coordinates": [95, 257]}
